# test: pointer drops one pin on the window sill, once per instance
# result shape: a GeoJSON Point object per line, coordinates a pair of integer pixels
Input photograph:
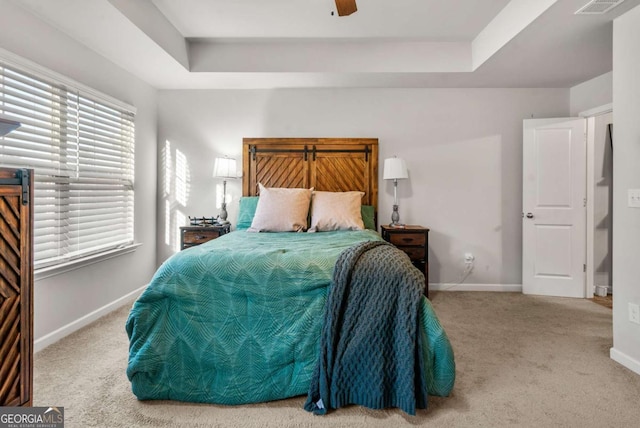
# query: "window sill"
{"type": "Point", "coordinates": [50, 271]}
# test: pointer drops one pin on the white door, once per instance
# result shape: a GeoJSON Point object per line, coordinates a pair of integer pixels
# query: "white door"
{"type": "Point", "coordinates": [554, 207]}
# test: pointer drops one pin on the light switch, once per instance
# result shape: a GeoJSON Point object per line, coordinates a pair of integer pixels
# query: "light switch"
{"type": "Point", "coordinates": [634, 198]}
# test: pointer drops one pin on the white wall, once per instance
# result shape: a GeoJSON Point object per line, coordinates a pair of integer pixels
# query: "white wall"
{"type": "Point", "coordinates": [626, 175]}
{"type": "Point", "coordinates": [63, 299]}
{"type": "Point", "coordinates": [463, 148]}
{"type": "Point", "coordinates": [591, 94]}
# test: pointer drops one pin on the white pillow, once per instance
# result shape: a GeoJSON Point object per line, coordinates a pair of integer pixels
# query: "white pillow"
{"type": "Point", "coordinates": [336, 211]}
{"type": "Point", "coordinates": [281, 210]}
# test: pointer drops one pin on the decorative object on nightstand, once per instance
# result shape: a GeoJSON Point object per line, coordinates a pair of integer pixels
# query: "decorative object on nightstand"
{"type": "Point", "coordinates": [224, 168]}
{"type": "Point", "coordinates": [414, 241]}
{"type": "Point", "coordinates": [203, 221]}
{"type": "Point", "coordinates": [190, 236]}
{"type": "Point", "coordinates": [395, 169]}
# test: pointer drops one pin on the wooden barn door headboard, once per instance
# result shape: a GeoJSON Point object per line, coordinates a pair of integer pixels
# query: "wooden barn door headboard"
{"type": "Point", "coordinates": [327, 164]}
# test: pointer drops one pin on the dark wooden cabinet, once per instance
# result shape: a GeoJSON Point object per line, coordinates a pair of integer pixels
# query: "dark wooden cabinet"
{"type": "Point", "coordinates": [16, 287]}
{"type": "Point", "coordinates": [414, 241]}
{"type": "Point", "coordinates": [190, 236]}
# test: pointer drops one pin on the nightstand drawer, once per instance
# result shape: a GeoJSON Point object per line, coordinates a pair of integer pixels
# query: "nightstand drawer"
{"type": "Point", "coordinates": [401, 239]}
{"type": "Point", "coordinates": [413, 240]}
{"type": "Point", "coordinates": [190, 236]}
{"type": "Point", "coordinates": [197, 237]}
{"type": "Point", "coordinates": [413, 252]}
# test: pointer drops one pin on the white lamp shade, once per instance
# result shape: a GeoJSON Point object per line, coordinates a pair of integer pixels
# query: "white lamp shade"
{"type": "Point", "coordinates": [225, 168]}
{"type": "Point", "coordinates": [395, 169]}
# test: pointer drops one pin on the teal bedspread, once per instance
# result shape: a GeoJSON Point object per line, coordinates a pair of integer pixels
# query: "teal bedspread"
{"type": "Point", "coordinates": [238, 319]}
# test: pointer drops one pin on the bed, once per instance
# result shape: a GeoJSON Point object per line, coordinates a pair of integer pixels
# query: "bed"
{"type": "Point", "coordinates": [237, 320]}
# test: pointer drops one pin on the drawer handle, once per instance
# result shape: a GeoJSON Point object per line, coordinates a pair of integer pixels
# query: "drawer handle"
{"type": "Point", "coordinates": [201, 236]}
{"type": "Point", "coordinates": [407, 239]}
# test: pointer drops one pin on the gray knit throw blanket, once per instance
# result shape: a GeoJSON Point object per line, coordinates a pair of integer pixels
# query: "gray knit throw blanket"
{"type": "Point", "coordinates": [370, 345]}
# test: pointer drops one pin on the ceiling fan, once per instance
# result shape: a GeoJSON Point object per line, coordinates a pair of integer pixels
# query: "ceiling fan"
{"type": "Point", "coordinates": [346, 7]}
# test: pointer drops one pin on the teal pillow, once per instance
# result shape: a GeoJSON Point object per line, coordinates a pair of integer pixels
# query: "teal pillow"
{"type": "Point", "coordinates": [246, 211]}
{"type": "Point", "coordinates": [368, 216]}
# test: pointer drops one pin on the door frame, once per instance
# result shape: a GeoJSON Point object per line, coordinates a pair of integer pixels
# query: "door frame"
{"type": "Point", "coordinates": [589, 115]}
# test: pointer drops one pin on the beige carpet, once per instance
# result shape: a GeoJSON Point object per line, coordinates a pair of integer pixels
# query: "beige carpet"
{"type": "Point", "coordinates": [521, 361]}
{"type": "Point", "coordinates": [606, 301]}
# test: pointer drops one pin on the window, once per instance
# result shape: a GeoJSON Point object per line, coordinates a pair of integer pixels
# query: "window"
{"type": "Point", "coordinates": [81, 147]}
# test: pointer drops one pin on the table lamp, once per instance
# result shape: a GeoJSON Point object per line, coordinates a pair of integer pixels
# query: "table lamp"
{"type": "Point", "coordinates": [224, 168]}
{"type": "Point", "coordinates": [395, 169]}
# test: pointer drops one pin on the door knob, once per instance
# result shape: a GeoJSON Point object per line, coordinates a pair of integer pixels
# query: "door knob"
{"type": "Point", "coordinates": [529, 215]}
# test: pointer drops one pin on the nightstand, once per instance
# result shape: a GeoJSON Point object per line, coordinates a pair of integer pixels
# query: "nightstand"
{"type": "Point", "coordinates": [414, 241]}
{"type": "Point", "coordinates": [190, 236]}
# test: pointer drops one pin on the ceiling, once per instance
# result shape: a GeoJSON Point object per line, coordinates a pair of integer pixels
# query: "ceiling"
{"type": "Point", "coordinates": [312, 18]}
{"type": "Point", "coordinates": [195, 44]}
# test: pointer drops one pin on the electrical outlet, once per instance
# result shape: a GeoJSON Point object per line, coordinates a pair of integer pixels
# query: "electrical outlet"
{"type": "Point", "coordinates": [633, 196]}
{"type": "Point", "coordinates": [634, 313]}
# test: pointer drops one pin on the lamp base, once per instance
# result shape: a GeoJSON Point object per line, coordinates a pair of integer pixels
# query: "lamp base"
{"type": "Point", "coordinates": [223, 212]}
{"type": "Point", "coordinates": [395, 217]}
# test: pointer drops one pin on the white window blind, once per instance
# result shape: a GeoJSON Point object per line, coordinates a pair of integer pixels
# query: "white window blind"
{"type": "Point", "coordinates": [81, 148]}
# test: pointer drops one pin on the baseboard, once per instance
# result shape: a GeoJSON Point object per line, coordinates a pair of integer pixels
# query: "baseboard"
{"type": "Point", "coordinates": [622, 358]}
{"type": "Point", "coordinates": [66, 330]}
{"type": "Point", "coordinates": [511, 288]}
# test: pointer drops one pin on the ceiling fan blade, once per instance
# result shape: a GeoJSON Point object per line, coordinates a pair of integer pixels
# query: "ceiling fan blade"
{"type": "Point", "coordinates": [346, 7]}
